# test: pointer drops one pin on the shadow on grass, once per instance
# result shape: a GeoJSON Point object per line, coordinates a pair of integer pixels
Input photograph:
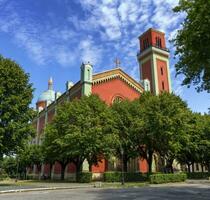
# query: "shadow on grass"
{"type": "Point", "coordinates": [6, 184]}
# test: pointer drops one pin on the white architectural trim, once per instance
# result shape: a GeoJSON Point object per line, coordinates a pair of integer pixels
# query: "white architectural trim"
{"type": "Point", "coordinates": [168, 69]}
{"type": "Point", "coordinates": [154, 75]}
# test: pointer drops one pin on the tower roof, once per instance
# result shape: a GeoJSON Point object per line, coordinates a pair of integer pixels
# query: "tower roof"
{"type": "Point", "coordinates": [48, 95]}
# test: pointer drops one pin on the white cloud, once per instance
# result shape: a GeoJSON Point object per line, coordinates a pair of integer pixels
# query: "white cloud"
{"type": "Point", "coordinates": [103, 14]}
{"type": "Point", "coordinates": [43, 44]}
{"type": "Point", "coordinates": [117, 24]}
{"type": "Point", "coordinates": [65, 57]}
{"type": "Point", "coordinates": [128, 11]}
{"type": "Point", "coordinates": [89, 52]}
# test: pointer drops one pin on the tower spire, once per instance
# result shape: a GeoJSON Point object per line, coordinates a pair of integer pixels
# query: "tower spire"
{"type": "Point", "coordinates": [117, 62]}
{"type": "Point", "coordinates": [50, 84]}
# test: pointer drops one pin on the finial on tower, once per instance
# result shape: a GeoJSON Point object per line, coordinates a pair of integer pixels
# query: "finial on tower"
{"type": "Point", "coordinates": [50, 84]}
{"type": "Point", "coordinates": [117, 62]}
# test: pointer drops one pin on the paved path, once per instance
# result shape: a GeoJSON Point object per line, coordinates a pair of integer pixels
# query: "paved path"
{"type": "Point", "coordinates": [6, 187]}
{"type": "Point", "coordinates": [179, 192]}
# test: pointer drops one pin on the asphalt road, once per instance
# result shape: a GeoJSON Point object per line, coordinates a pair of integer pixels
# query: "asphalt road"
{"type": "Point", "coordinates": [144, 193]}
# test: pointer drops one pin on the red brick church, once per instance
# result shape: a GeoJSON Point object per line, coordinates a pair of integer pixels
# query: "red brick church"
{"type": "Point", "coordinates": [112, 85]}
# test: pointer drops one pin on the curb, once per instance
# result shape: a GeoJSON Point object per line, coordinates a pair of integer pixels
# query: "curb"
{"type": "Point", "coordinates": [44, 189]}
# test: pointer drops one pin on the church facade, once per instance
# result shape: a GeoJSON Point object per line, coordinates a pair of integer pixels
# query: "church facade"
{"type": "Point", "coordinates": [111, 86]}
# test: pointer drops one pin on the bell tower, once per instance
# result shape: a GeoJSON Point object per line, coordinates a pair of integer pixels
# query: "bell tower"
{"type": "Point", "coordinates": [154, 61]}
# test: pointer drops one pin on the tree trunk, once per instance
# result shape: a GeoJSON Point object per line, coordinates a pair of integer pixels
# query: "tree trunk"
{"type": "Point", "coordinates": [202, 167]}
{"type": "Point", "coordinates": [39, 166]}
{"type": "Point", "coordinates": [25, 173]}
{"type": "Point", "coordinates": [78, 169]}
{"type": "Point", "coordinates": [149, 161]}
{"type": "Point", "coordinates": [188, 166]}
{"type": "Point", "coordinates": [90, 166]}
{"type": "Point", "coordinates": [170, 165]}
{"type": "Point", "coordinates": [63, 167]}
{"type": "Point", "coordinates": [125, 163]}
{"type": "Point", "coordinates": [193, 168]}
{"type": "Point", "coordinates": [50, 173]}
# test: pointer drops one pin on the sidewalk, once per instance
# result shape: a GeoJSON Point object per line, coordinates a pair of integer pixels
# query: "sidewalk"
{"type": "Point", "coordinates": [25, 186]}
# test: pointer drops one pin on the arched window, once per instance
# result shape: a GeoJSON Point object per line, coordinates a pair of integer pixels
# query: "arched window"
{"type": "Point", "coordinates": [145, 43]}
{"type": "Point", "coordinates": [160, 45]}
{"type": "Point", "coordinates": [158, 42]}
{"type": "Point", "coordinates": [117, 99]}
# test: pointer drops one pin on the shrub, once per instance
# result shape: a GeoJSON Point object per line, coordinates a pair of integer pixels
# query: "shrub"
{"type": "Point", "coordinates": [84, 177]}
{"type": "Point", "coordinates": [198, 175]}
{"type": "Point", "coordinates": [3, 174]}
{"type": "Point", "coordinates": [30, 176]}
{"type": "Point", "coordinates": [112, 176]}
{"type": "Point", "coordinates": [135, 177]}
{"type": "Point", "coordinates": [128, 176]}
{"type": "Point", "coordinates": [167, 178]}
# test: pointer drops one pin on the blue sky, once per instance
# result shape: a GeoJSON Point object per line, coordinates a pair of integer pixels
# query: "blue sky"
{"type": "Point", "coordinates": [52, 38]}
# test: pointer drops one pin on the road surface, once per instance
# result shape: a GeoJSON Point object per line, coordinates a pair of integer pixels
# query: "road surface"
{"type": "Point", "coordinates": [191, 192]}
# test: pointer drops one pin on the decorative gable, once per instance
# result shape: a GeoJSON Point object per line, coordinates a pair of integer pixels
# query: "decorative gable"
{"type": "Point", "coordinates": [114, 85]}
{"type": "Point", "coordinates": [114, 74]}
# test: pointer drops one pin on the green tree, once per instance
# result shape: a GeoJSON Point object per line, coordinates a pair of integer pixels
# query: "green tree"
{"type": "Point", "coordinates": [48, 157]}
{"type": "Point", "coordinates": [15, 114]}
{"type": "Point", "coordinates": [193, 43]}
{"type": "Point", "coordinates": [124, 113]}
{"type": "Point", "coordinates": [144, 127]}
{"type": "Point", "coordinates": [204, 143]}
{"type": "Point", "coordinates": [82, 129]}
{"type": "Point", "coordinates": [9, 164]}
{"type": "Point", "coordinates": [188, 154]}
{"type": "Point", "coordinates": [29, 156]}
{"type": "Point", "coordinates": [160, 126]}
{"type": "Point", "coordinates": [54, 148]}
{"type": "Point", "coordinates": [172, 123]}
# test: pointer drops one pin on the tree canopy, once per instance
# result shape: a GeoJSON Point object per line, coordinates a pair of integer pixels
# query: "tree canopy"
{"type": "Point", "coordinates": [159, 126]}
{"type": "Point", "coordinates": [82, 129]}
{"type": "Point", "coordinates": [193, 43]}
{"type": "Point", "coordinates": [29, 156]}
{"type": "Point", "coordinates": [196, 147]}
{"type": "Point", "coordinates": [124, 114]}
{"type": "Point", "coordinates": [15, 98]}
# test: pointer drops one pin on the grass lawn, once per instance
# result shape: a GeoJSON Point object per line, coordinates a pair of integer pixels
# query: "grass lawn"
{"type": "Point", "coordinates": [58, 183]}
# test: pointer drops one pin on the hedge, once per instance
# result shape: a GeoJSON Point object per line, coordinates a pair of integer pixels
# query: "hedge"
{"type": "Point", "coordinates": [167, 178]}
{"type": "Point", "coordinates": [84, 177]}
{"type": "Point", "coordinates": [198, 175]}
{"type": "Point", "coordinates": [128, 177]}
{"type": "Point", "coordinates": [3, 174]}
